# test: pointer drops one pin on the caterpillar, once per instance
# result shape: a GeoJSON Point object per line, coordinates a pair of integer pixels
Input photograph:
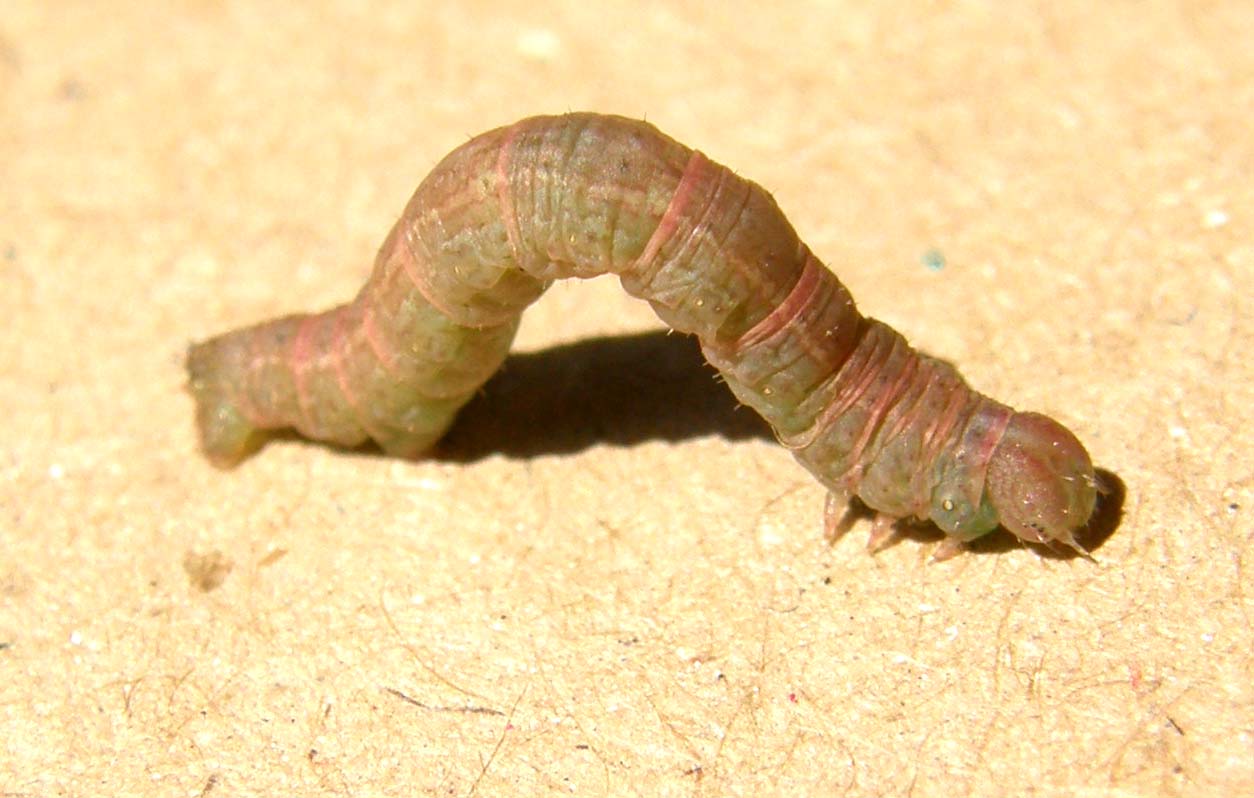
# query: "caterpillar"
{"type": "Point", "coordinates": [510, 211]}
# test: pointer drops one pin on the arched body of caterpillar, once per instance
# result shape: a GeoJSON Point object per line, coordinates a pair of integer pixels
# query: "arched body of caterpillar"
{"type": "Point", "coordinates": [512, 210]}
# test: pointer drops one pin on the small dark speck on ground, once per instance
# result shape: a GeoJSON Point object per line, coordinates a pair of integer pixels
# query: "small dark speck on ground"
{"type": "Point", "coordinates": [207, 572]}
{"type": "Point", "coordinates": [933, 259]}
{"type": "Point", "coordinates": [72, 89]}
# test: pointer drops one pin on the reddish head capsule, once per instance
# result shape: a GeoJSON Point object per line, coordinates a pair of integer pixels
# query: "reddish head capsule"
{"type": "Point", "coordinates": [1041, 482]}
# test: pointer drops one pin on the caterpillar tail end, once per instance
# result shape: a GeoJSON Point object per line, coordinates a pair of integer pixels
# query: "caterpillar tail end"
{"type": "Point", "coordinates": [226, 436]}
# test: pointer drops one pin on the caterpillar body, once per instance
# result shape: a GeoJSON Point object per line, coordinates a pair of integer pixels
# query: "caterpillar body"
{"type": "Point", "coordinates": [512, 210]}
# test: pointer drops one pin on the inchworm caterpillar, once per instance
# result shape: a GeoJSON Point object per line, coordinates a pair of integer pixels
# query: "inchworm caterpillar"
{"type": "Point", "coordinates": [516, 208]}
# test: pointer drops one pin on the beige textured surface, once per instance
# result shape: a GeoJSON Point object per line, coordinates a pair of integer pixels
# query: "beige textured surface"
{"type": "Point", "coordinates": [610, 583]}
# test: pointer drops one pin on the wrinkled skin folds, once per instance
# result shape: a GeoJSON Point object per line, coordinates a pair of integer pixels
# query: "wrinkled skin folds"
{"type": "Point", "coordinates": [512, 210]}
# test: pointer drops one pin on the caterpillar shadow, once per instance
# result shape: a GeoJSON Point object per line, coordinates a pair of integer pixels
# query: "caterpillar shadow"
{"type": "Point", "coordinates": [621, 390]}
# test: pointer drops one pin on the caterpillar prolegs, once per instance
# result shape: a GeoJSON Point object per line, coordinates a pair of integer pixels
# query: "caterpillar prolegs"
{"type": "Point", "coordinates": [580, 195]}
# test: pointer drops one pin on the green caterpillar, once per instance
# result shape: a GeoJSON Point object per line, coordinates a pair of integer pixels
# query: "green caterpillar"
{"type": "Point", "coordinates": [579, 195]}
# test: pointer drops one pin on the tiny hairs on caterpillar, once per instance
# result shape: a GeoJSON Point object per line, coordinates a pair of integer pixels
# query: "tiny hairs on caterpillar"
{"type": "Point", "coordinates": [512, 210]}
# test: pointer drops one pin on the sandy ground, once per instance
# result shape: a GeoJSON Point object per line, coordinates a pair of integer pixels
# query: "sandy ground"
{"type": "Point", "coordinates": [611, 581]}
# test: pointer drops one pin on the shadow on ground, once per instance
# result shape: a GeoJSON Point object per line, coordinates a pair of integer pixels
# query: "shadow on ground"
{"type": "Point", "coordinates": [621, 391]}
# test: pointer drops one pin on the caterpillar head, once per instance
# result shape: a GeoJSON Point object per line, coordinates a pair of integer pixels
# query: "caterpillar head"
{"type": "Point", "coordinates": [1040, 481]}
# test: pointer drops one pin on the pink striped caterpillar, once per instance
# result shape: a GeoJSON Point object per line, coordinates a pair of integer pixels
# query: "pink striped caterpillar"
{"type": "Point", "coordinates": [580, 195]}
